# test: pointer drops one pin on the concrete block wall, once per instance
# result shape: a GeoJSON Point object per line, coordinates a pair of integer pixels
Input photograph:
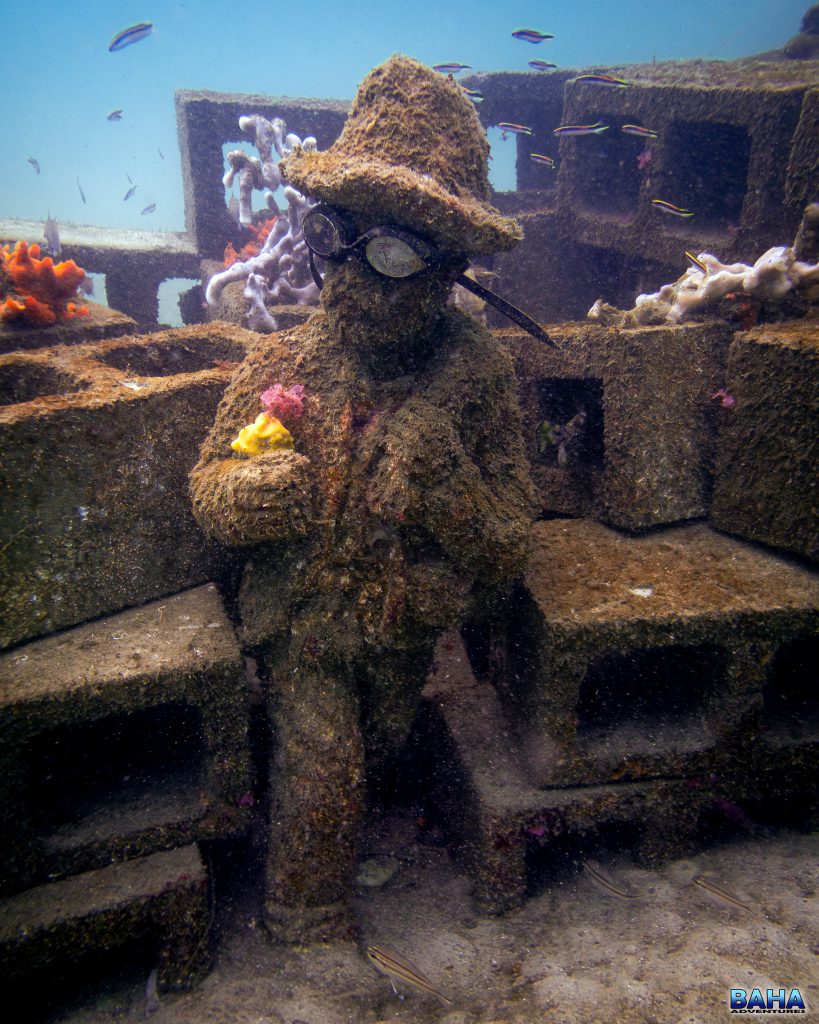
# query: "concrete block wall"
{"type": "Point", "coordinates": [96, 443]}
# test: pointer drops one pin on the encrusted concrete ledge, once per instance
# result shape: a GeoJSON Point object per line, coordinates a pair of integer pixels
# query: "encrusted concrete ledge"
{"type": "Point", "coordinates": [96, 443]}
{"type": "Point", "coordinates": [101, 323]}
{"type": "Point", "coordinates": [643, 457]}
{"type": "Point", "coordinates": [503, 828]}
{"type": "Point", "coordinates": [650, 657]}
{"type": "Point", "coordinates": [121, 738]}
{"type": "Point", "coordinates": [134, 263]}
{"type": "Point", "coordinates": [162, 898]}
{"type": "Point", "coordinates": [768, 443]}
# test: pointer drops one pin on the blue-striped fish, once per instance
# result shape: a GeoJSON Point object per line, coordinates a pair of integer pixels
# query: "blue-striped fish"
{"type": "Point", "coordinates": [531, 35]}
{"type": "Point", "coordinates": [130, 35]}
{"type": "Point", "coordinates": [722, 896]}
{"type": "Point", "coordinates": [129, 193]}
{"type": "Point", "coordinates": [665, 207]}
{"type": "Point", "coordinates": [542, 158]}
{"type": "Point", "coordinates": [34, 163]}
{"type": "Point", "coordinates": [541, 65]}
{"type": "Point", "coordinates": [148, 209]}
{"type": "Point", "coordinates": [451, 69]}
{"type": "Point", "coordinates": [602, 80]}
{"type": "Point", "coordinates": [698, 264]}
{"type": "Point", "coordinates": [510, 128]}
{"type": "Point", "coordinates": [397, 968]}
{"type": "Point", "coordinates": [82, 194]}
{"type": "Point", "coordinates": [639, 130]}
{"type": "Point", "coordinates": [115, 115]}
{"type": "Point", "coordinates": [605, 883]}
{"type": "Point", "coordinates": [581, 129]}
{"type": "Point", "coordinates": [474, 94]}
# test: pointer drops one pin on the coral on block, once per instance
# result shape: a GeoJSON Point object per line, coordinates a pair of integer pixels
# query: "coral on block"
{"type": "Point", "coordinates": [37, 292]}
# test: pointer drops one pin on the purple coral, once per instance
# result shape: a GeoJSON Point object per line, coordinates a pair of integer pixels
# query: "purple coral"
{"type": "Point", "coordinates": [284, 405]}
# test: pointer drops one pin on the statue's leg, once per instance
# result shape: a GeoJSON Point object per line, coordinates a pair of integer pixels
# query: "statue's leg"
{"type": "Point", "coordinates": [317, 776]}
{"type": "Point", "coordinates": [390, 683]}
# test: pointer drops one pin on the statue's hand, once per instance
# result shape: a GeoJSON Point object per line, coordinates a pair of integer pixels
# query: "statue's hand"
{"type": "Point", "coordinates": [266, 498]}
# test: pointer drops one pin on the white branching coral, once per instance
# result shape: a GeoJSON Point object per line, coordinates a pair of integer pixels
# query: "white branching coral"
{"type": "Point", "coordinates": [280, 273]}
{"type": "Point", "coordinates": [776, 273]}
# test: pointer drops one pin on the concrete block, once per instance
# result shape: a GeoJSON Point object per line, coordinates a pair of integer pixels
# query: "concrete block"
{"type": "Point", "coordinates": [640, 658]}
{"type": "Point", "coordinates": [162, 897]}
{"type": "Point", "coordinates": [765, 486]}
{"type": "Point", "coordinates": [643, 456]}
{"type": "Point", "coordinates": [120, 738]}
{"type": "Point", "coordinates": [96, 443]}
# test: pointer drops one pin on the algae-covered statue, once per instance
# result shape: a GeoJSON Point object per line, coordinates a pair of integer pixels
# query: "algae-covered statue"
{"type": "Point", "coordinates": [370, 462]}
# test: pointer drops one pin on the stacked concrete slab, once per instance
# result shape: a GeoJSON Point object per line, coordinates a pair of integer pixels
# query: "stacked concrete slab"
{"type": "Point", "coordinates": [121, 739]}
{"type": "Point", "coordinates": [735, 144]}
{"type": "Point", "coordinates": [96, 443]}
{"type": "Point", "coordinates": [638, 694]}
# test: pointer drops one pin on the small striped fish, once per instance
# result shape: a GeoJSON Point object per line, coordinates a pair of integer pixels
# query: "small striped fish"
{"type": "Point", "coordinates": [604, 881]}
{"type": "Point", "coordinates": [398, 968]}
{"type": "Point", "coordinates": [722, 895]}
{"type": "Point", "coordinates": [672, 208]}
{"type": "Point", "coordinates": [131, 35]}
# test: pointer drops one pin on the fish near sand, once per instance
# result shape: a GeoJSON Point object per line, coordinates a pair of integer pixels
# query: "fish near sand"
{"type": "Point", "coordinates": [606, 883]}
{"type": "Point", "coordinates": [397, 968]}
{"type": "Point", "coordinates": [723, 896]}
{"type": "Point", "coordinates": [132, 34]}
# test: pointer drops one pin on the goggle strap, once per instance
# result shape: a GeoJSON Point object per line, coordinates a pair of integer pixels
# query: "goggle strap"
{"type": "Point", "coordinates": [316, 275]}
{"type": "Point", "coordinates": [519, 317]}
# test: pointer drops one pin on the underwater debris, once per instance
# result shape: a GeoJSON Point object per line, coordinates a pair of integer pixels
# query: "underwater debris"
{"type": "Point", "coordinates": [397, 968]}
{"type": "Point", "coordinates": [41, 291]}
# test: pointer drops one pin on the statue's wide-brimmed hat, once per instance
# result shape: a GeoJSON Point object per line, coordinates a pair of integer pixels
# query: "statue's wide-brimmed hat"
{"type": "Point", "coordinates": [414, 153]}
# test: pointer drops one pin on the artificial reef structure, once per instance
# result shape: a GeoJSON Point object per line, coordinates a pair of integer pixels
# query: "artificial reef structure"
{"type": "Point", "coordinates": [645, 684]}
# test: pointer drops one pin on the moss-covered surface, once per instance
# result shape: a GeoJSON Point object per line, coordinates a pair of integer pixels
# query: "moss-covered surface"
{"type": "Point", "coordinates": [644, 455]}
{"type": "Point", "coordinates": [163, 897]}
{"type": "Point", "coordinates": [768, 443]}
{"type": "Point", "coordinates": [646, 657]}
{"type": "Point", "coordinates": [483, 795]}
{"type": "Point", "coordinates": [100, 322]}
{"type": "Point", "coordinates": [96, 442]}
{"type": "Point", "coordinates": [122, 737]}
{"type": "Point", "coordinates": [406, 493]}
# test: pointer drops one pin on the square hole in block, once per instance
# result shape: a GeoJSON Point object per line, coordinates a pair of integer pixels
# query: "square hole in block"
{"type": "Point", "coordinates": [570, 431]}
{"type": "Point", "coordinates": [705, 170]}
{"type": "Point", "coordinates": [608, 173]}
{"type": "Point", "coordinates": [23, 382]}
{"type": "Point", "coordinates": [791, 696]}
{"type": "Point", "coordinates": [122, 774]}
{"type": "Point", "coordinates": [642, 701]}
{"type": "Point", "coordinates": [152, 360]}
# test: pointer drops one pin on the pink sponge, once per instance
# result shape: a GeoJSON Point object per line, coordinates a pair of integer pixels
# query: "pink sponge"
{"type": "Point", "coordinates": [285, 405]}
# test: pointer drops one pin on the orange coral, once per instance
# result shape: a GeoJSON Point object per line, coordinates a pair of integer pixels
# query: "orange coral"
{"type": "Point", "coordinates": [259, 233]}
{"type": "Point", "coordinates": [44, 290]}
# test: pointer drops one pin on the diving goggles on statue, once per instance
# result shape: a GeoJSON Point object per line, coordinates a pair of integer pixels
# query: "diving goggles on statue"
{"type": "Point", "coordinates": [391, 252]}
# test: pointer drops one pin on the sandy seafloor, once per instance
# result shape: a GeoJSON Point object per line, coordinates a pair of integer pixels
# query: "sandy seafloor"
{"type": "Point", "coordinates": [571, 954]}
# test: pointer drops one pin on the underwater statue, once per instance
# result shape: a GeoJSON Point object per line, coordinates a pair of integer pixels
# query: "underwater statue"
{"type": "Point", "coordinates": [370, 463]}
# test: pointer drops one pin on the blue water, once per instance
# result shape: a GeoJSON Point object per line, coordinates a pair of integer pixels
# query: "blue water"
{"type": "Point", "coordinates": [59, 82]}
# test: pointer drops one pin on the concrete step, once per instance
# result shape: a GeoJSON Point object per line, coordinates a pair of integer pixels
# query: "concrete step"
{"type": "Point", "coordinates": [122, 737]}
{"type": "Point", "coordinates": [162, 899]}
